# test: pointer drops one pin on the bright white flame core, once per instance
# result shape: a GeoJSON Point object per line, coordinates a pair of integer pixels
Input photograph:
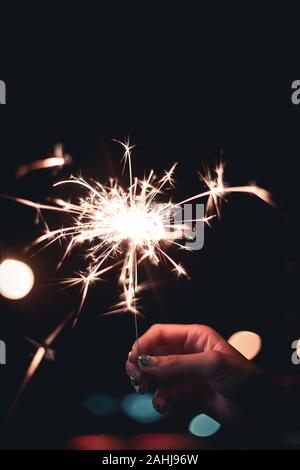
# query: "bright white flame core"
{"type": "Point", "coordinates": [16, 279]}
{"type": "Point", "coordinates": [138, 226]}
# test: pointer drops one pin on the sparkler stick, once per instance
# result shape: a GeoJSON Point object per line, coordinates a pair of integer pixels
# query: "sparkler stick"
{"type": "Point", "coordinates": [127, 159]}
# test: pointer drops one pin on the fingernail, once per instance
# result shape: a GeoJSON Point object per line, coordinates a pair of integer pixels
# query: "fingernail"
{"type": "Point", "coordinates": [133, 380]}
{"type": "Point", "coordinates": [157, 408]}
{"type": "Point", "coordinates": [134, 383]}
{"type": "Point", "coordinates": [146, 361]}
{"type": "Point", "coordinates": [161, 406]}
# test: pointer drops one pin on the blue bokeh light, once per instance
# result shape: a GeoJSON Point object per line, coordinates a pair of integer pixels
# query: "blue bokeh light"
{"type": "Point", "coordinates": [203, 426]}
{"type": "Point", "coordinates": [139, 408]}
{"type": "Point", "coordinates": [99, 404]}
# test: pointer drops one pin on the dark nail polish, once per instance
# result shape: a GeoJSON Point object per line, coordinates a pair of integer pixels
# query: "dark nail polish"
{"type": "Point", "coordinates": [146, 361]}
{"type": "Point", "coordinates": [162, 407]}
{"type": "Point", "coordinates": [157, 408]}
{"type": "Point", "coordinates": [133, 380]}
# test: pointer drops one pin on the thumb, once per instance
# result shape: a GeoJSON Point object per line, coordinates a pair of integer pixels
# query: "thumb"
{"type": "Point", "coordinates": [205, 364]}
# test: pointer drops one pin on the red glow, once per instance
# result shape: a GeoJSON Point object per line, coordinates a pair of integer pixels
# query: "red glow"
{"type": "Point", "coordinates": [163, 441]}
{"type": "Point", "coordinates": [97, 442]}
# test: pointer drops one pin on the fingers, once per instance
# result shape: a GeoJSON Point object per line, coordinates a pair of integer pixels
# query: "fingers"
{"type": "Point", "coordinates": [138, 380]}
{"type": "Point", "coordinates": [175, 339]}
{"type": "Point", "coordinates": [163, 398]}
{"type": "Point", "coordinates": [185, 396]}
{"type": "Point", "coordinates": [134, 375]}
{"type": "Point", "coordinates": [205, 365]}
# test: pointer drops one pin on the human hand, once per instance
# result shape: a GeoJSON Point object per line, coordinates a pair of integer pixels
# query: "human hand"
{"type": "Point", "coordinates": [193, 362]}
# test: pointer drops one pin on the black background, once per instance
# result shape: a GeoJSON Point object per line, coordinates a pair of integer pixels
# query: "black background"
{"type": "Point", "coordinates": [187, 85]}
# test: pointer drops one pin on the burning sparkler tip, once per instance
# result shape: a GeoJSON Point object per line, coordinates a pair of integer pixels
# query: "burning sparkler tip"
{"type": "Point", "coordinates": [126, 226]}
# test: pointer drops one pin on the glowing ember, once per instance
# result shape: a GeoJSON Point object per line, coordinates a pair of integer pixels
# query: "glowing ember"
{"type": "Point", "coordinates": [58, 159]}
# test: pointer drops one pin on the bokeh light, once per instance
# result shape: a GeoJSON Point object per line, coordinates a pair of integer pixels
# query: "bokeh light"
{"type": "Point", "coordinates": [96, 442]}
{"type": "Point", "coordinates": [203, 426]}
{"type": "Point", "coordinates": [139, 408]}
{"type": "Point", "coordinates": [99, 404]}
{"type": "Point", "coordinates": [16, 279]}
{"type": "Point", "coordinates": [247, 343]}
{"type": "Point", "coordinates": [164, 441]}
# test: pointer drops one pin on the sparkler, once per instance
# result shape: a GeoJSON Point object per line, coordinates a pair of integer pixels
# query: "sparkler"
{"type": "Point", "coordinates": [121, 227]}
